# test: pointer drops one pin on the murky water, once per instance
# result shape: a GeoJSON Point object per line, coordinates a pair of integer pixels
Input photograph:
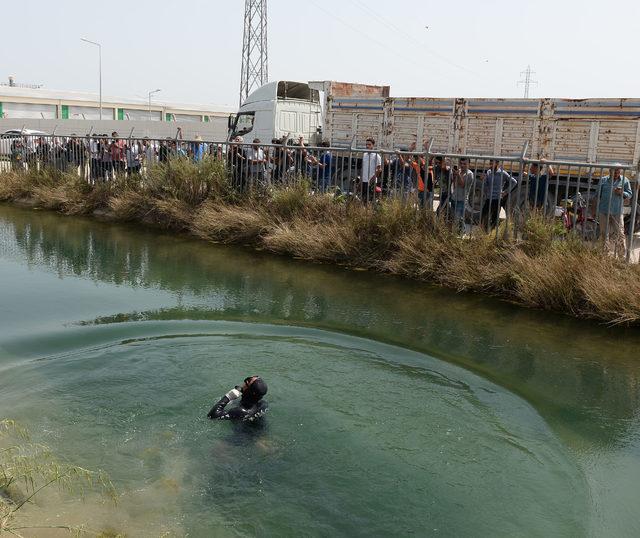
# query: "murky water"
{"type": "Point", "coordinates": [396, 409]}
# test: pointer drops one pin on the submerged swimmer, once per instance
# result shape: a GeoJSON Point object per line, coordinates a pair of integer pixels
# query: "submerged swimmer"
{"type": "Point", "coordinates": [251, 405]}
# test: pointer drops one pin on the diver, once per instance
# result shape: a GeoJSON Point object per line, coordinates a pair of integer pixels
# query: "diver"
{"type": "Point", "coordinates": [251, 405]}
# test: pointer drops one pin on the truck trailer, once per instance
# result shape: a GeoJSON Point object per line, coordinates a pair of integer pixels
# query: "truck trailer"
{"type": "Point", "coordinates": [582, 130]}
{"type": "Point", "coordinates": [585, 130]}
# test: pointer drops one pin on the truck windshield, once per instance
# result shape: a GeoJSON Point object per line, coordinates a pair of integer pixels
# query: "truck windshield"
{"type": "Point", "coordinates": [243, 123]}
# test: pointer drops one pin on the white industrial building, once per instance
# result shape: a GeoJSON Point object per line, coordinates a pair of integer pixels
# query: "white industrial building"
{"type": "Point", "coordinates": [45, 109]}
{"type": "Point", "coordinates": [18, 102]}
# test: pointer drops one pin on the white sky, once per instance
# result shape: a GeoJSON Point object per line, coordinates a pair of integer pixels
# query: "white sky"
{"type": "Point", "coordinates": [192, 49]}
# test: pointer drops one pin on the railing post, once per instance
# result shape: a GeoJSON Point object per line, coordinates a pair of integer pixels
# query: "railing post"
{"type": "Point", "coordinates": [425, 179]}
{"type": "Point", "coordinates": [509, 204]}
{"type": "Point", "coordinates": [634, 209]}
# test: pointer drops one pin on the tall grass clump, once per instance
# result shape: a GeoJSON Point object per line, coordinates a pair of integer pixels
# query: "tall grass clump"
{"type": "Point", "coordinates": [539, 234]}
{"type": "Point", "coordinates": [611, 289]}
{"type": "Point", "coordinates": [188, 181]}
{"type": "Point", "coordinates": [226, 223]}
{"type": "Point", "coordinates": [440, 256]}
{"type": "Point", "coordinates": [14, 186]}
{"type": "Point", "coordinates": [172, 192]}
{"type": "Point", "coordinates": [57, 190]}
{"type": "Point", "coordinates": [287, 201]}
{"type": "Point", "coordinates": [329, 240]}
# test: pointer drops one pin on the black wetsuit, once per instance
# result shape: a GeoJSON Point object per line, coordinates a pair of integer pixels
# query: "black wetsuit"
{"type": "Point", "coordinates": [249, 409]}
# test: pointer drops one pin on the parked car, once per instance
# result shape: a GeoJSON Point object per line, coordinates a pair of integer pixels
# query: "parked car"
{"type": "Point", "coordinates": [9, 137]}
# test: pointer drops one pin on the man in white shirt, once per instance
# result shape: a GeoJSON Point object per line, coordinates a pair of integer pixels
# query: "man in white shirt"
{"type": "Point", "coordinates": [94, 163]}
{"type": "Point", "coordinates": [463, 179]}
{"type": "Point", "coordinates": [257, 161]}
{"type": "Point", "coordinates": [148, 153]}
{"type": "Point", "coordinates": [371, 169]}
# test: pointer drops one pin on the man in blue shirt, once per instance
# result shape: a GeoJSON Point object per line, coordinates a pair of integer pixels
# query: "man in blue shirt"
{"type": "Point", "coordinates": [496, 185]}
{"type": "Point", "coordinates": [199, 149]}
{"type": "Point", "coordinates": [611, 195]}
{"type": "Point", "coordinates": [539, 185]}
{"type": "Point", "coordinates": [404, 170]}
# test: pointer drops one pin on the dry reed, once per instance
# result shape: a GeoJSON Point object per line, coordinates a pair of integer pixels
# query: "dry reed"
{"type": "Point", "coordinates": [542, 269]}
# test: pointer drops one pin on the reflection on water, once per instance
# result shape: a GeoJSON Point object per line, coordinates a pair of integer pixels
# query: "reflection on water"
{"type": "Point", "coordinates": [581, 377]}
{"type": "Point", "coordinates": [558, 363]}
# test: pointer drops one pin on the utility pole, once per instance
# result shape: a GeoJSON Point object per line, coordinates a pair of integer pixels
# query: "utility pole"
{"type": "Point", "coordinates": [527, 82]}
{"type": "Point", "coordinates": [254, 71]}
{"type": "Point", "coordinates": [99, 67]}
{"type": "Point", "coordinates": [150, 94]}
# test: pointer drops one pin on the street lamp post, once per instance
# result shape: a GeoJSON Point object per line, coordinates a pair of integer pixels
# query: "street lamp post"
{"type": "Point", "coordinates": [99, 67]}
{"type": "Point", "coordinates": [150, 94]}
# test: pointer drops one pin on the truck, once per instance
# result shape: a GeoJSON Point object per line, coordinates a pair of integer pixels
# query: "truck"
{"type": "Point", "coordinates": [581, 130]}
{"type": "Point", "coordinates": [276, 110]}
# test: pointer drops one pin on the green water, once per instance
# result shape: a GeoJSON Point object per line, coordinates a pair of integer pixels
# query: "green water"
{"type": "Point", "coordinates": [395, 408]}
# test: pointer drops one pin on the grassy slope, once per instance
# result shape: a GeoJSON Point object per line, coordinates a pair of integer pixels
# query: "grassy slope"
{"type": "Point", "coordinates": [538, 271]}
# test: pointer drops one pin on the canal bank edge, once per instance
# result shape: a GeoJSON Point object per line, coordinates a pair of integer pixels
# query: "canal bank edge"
{"type": "Point", "coordinates": [538, 271]}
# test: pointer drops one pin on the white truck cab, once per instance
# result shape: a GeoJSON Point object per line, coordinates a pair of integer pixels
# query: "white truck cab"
{"type": "Point", "coordinates": [278, 109]}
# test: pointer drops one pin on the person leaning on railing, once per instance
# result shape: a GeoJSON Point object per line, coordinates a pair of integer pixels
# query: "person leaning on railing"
{"type": "Point", "coordinates": [257, 161]}
{"type": "Point", "coordinates": [18, 155]}
{"type": "Point", "coordinates": [321, 167]}
{"type": "Point", "coordinates": [118, 156]}
{"type": "Point", "coordinates": [412, 175]}
{"type": "Point", "coordinates": [237, 162]}
{"type": "Point", "coordinates": [612, 194]}
{"type": "Point", "coordinates": [278, 159]}
{"type": "Point", "coordinates": [198, 149]}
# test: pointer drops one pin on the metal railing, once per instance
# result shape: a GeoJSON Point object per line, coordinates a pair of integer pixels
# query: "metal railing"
{"type": "Point", "coordinates": [470, 192]}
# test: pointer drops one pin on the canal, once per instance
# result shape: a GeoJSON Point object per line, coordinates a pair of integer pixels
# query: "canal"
{"type": "Point", "coordinates": [396, 408]}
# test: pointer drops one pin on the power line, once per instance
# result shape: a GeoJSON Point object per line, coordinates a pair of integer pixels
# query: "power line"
{"type": "Point", "coordinates": [384, 46]}
{"type": "Point", "coordinates": [528, 81]}
{"type": "Point", "coordinates": [392, 26]}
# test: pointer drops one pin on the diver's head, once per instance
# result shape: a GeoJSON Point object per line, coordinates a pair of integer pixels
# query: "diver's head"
{"type": "Point", "coordinates": [253, 388]}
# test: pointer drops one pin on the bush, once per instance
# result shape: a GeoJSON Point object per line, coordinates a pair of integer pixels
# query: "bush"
{"type": "Point", "coordinates": [286, 202]}
{"type": "Point", "coordinates": [190, 182]}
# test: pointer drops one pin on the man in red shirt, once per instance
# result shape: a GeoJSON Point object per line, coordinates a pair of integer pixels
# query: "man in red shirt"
{"type": "Point", "coordinates": [118, 156]}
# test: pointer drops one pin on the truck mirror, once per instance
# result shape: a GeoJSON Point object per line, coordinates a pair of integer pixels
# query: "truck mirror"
{"type": "Point", "coordinates": [230, 120]}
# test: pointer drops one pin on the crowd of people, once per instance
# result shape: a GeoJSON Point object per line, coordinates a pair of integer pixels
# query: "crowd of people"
{"type": "Point", "coordinates": [373, 174]}
{"type": "Point", "coordinates": [463, 193]}
{"type": "Point", "coordinates": [100, 157]}
{"type": "Point", "coordinates": [256, 163]}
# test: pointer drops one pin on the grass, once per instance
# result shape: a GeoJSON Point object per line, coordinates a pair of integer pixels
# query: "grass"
{"type": "Point", "coordinates": [543, 269]}
{"type": "Point", "coordinates": [27, 470]}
